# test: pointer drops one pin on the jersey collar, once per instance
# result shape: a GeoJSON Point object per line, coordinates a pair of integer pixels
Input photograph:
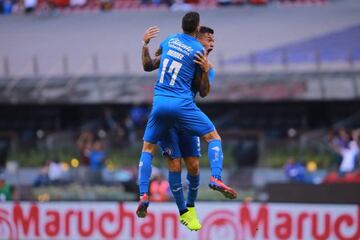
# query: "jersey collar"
{"type": "Point", "coordinates": [188, 36]}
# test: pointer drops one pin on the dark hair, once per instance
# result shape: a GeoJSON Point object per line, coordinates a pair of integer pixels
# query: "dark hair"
{"type": "Point", "coordinates": [190, 22]}
{"type": "Point", "coordinates": [204, 29]}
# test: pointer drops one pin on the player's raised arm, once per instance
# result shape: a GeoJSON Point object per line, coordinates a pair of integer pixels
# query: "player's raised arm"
{"type": "Point", "coordinates": [150, 64]}
{"type": "Point", "coordinates": [202, 81]}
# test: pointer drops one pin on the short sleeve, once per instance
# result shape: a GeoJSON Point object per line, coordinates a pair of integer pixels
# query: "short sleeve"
{"type": "Point", "coordinates": [162, 44]}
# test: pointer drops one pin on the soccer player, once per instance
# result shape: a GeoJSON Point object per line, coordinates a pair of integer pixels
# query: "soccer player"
{"type": "Point", "coordinates": [177, 144]}
{"type": "Point", "coordinates": [173, 104]}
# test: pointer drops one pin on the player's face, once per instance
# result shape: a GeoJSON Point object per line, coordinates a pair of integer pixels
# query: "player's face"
{"type": "Point", "coordinates": [208, 41]}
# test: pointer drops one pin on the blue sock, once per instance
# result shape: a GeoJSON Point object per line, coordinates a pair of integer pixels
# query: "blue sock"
{"type": "Point", "coordinates": [215, 156]}
{"type": "Point", "coordinates": [193, 186]}
{"type": "Point", "coordinates": [145, 172]}
{"type": "Point", "coordinates": [177, 190]}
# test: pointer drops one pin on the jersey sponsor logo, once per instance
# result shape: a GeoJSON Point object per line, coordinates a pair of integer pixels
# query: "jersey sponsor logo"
{"type": "Point", "coordinates": [180, 46]}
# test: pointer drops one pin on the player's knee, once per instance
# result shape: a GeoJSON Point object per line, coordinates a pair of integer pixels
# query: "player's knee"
{"type": "Point", "coordinates": [174, 164]}
{"type": "Point", "coordinates": [192, 165]}
{"type": "Point", "coordinates": [214, 135]}
{"type": "Point", "coordinates": [149, 147]}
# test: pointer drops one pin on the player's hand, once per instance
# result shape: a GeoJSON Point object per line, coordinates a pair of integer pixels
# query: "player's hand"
{"type": "Point", "coordinates": [151, 33]}
{"type": "Point", "coordinates": [203, 62]}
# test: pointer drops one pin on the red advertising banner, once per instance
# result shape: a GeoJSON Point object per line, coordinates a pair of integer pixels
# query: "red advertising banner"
{"type": "Point", "coordinates": [220, 220]}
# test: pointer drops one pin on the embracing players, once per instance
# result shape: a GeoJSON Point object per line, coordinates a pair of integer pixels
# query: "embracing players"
{"type": "Point", "coordinates": [177, 144]}
{"type": "Point", "coordinates": [183, 64]}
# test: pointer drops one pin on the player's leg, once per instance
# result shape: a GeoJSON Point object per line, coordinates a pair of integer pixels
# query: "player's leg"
{"type": "Point", "coordinates": [193, 180]}
{"type": "Point", "coordinates": [190, 150]}
{"type": "Point", "coordinates": [156, 126]}
{"type": "Point", "coordinates": [215, 156]}
{"type": "Point", "coordinates": [187, 216]}
{"type": "Point", "coordinates": [175, 183]}
{"type": "Point", "coordinates": [144, 174]}
{"type": "Point", "coordinates": [215, 153]}
{"type": "Point", "coordinates": [171, 152]}
{"type": "Point", "coordinates": [196, 122]}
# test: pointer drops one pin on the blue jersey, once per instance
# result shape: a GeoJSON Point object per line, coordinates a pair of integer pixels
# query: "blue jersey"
{"type": "Point", "coordinates": [211, 75]}
{"type": "Point", "coordinates": [176, 143]}
{"type": "Point", "coordinates": [177, 68]}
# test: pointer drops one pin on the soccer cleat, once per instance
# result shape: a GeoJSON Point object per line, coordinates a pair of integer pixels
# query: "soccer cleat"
{"type": "Point", "coordinates": [193, 213]}
{"type": "Point", "coordinates": [190, 220]}
{"type": "Point", "coordinates": [218, 185]}
{"type": "Point", "coordinates": [141, 210]}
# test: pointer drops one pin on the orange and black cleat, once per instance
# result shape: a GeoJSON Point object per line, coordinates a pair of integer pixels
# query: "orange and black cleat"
{"type": "Point", "coordinates": [218, 185]}
{"type": "Point", "coordinates": [141, 210]}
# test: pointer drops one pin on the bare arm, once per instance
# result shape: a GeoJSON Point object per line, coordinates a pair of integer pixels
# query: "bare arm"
{"type": "Point", "coordinates": [202, 81]}
{"type": "Point", "coordinates": [150, 64]}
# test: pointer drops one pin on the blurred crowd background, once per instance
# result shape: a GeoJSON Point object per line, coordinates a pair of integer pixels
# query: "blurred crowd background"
{"type": "Point", "coordinates": [47, 6]}
{"type": "Point", "coordinates": [74, 100]}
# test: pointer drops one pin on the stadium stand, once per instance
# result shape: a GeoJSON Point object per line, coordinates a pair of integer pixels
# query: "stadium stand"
{"type": "Point", "coordinates": [342, 46]}
{"type": "Point", "coordinates": [124, 89]}
{"type": "Point", "coordinates": [25, 36]}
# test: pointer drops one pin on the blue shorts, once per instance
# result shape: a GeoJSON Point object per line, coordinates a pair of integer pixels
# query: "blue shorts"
{"type": "Point", "coordinates": [179, 144]}
{"type": "Point", "coordinates": [169, 112]}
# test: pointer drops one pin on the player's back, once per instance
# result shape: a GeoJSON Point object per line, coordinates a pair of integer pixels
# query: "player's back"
{"type": "Point", "coordinates": [177, 68]}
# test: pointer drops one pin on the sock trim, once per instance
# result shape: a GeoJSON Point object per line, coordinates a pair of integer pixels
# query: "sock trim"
{"type": "Point", "coordinates": [183, 211]}
{"type": "Point", "coordinates": [214, 140]}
